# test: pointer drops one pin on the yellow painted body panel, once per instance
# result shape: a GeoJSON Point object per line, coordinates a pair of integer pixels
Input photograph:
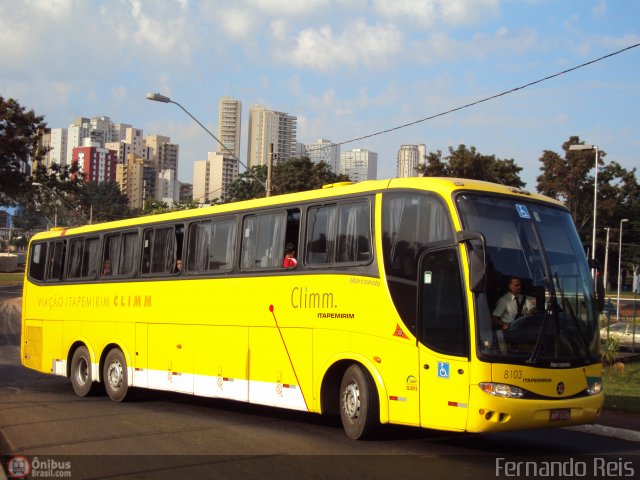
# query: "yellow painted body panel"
{"type": "Point", "coordinates": [272, 339]}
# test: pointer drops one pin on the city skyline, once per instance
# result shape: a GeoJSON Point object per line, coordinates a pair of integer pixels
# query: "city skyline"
{"type": "Point", "coordinates": [345, 69]}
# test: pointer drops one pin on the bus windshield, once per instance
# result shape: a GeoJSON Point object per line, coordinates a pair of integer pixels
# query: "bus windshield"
{"type": "Point", "coordinates": [539, 305]}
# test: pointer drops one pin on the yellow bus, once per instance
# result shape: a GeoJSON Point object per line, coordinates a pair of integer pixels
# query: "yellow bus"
{"type": "Point", "coordinates": [389, 314]}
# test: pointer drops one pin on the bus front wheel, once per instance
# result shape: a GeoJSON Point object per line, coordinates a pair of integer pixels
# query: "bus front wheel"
{"type": "Point", "coordinates": [115, 375]}
{"type": "Point", "coordinates": [81, 379]}
{"type": "Point", "coordinates": [358, 403]}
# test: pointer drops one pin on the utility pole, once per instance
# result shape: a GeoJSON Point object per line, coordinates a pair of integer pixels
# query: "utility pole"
{"type": "Point", "coordinates": [606, 261]}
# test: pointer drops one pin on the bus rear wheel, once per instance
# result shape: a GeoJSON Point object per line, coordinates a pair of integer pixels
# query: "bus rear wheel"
{"type": "Point", "coordinates": [115, 376]}
{"type": "Point", "coordinates": [81, 378]}
{"type": "Point", "coordinates": [358, 404]}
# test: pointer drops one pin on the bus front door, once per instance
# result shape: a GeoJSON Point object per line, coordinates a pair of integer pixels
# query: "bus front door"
{"type": "Point", "coordinates": [443, 335]}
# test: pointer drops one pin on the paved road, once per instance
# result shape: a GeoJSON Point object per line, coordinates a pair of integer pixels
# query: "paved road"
{"type": "Point", "coordinates": [163, 435]}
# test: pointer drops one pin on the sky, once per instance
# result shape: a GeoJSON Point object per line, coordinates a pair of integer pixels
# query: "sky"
{"type": "Point", "coordinates": [344, 68]}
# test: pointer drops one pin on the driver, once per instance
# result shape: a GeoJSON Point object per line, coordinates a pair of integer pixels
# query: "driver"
{"type": "Point", "coordinates": [512, 305]}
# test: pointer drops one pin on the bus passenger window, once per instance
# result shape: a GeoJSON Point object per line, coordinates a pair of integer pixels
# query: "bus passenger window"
{"type": "Point", "coordinates": [263, 241]}
{"type": "Point", "coordinates": [56, 261]}
{"type": "Point", "coordinates": [211, 245]}
{"type": "Point", "coordinates": [37, 261]}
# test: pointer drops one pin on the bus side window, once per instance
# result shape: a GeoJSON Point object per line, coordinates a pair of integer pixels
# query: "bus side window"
{"type": "Point", "coordinates": [38, 261]}
{"type": "Point", "coordinates": [159, 253]}
{"type": "Point", "coordinates": [263, 241]}
{"type": "Point", "coordinates": [354, 233]}
{"type": "Point", "coordinates": [320, 235]}
{"type": "Point", "coordinates": [57, 255]}
{"type": "Point", "coordinates": [119, 254]}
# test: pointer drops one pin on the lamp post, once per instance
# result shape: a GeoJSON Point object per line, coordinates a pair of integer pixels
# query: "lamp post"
{"type": "Point", "coordinates": [619, 263]}
{"type": "Point", "coordinates": [157, 97]}
{"type": "Point", "coordinates": [587, 146]}
{"type": "Point", "coordinates": [38, 184]}
{"type": "Point", "coordinates": [606, 261]}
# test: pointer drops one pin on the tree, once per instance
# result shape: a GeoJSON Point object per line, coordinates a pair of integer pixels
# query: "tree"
{"type": "Point", "coordinates": [19, 139]}
{"type": "Point", "coordinates": [569, 180]}
{"type": "Point", "coordinates": [468, 163]}
{"type": "Point", "coordinates": [53, 195]}
{"type": "Point", "coordinates": [250, 184]}
{"type": "Point", "coordinates": [301, 174]}
{"type": "Point", "coordinates": [103, 201]}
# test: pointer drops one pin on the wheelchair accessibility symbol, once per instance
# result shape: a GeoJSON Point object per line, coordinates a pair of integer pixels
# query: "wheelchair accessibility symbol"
{"type": "Point", "coordinates": [443, 369]}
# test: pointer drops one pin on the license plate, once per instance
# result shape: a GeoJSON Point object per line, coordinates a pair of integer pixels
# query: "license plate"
{"type": "Point", "coordinates": [560, 414]}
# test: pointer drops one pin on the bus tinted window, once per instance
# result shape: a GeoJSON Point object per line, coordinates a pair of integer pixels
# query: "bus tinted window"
{"type": "Point", "coordinates": [211, 246]}
{"type": "Point", "coordinates": [354, 237]}
{"type": "Point", "coordinates": [410, 223]}
{"type": "Point", "coordinates": [119, 254]}
{"type": "Point", "coordinates": [37, 261]}
{"type": "Point", "coordinates": [57, 254]}
{"type": "Point", "coordinates": [339, 234]}
{"type": "Point", "coordinates": [320, 234]}
{"type": "Point", "coordinates": [443, 320]}
{"type": "Point", "coordinates": [159, 250]}
{"type": "Point", "coordinates": [83, 257]}
{"type": "Point", "coordinates": [263, 240]}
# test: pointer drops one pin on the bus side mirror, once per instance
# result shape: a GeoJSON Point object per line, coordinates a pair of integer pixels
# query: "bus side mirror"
{"type": "Point", "coordinates": [477, 261]}
{"type": "Point", "coordinates": [600, 293]}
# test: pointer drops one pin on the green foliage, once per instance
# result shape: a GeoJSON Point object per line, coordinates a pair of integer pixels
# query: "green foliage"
{"type": "Point", "coordinates": [570, 179]}
{"type": "Point", "coordinates": [19, 136]}
{"type": "Point", "coordinates": [301, 174]}
{"type": "Point", "coordinates": [609, 350]}
{"type": "Point", "coordinates": [103, 201]}
{"type": "Point", "coordinates": [250, 184]}
{"type": "Point", "coordinates": [466, 162]}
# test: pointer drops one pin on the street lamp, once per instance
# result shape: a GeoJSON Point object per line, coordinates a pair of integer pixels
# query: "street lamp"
{"type": "Point", "coordinates": [619, 263]}
{"type": "Point", "coordinates": [587, 146]}
{"type": "Point", "coordinates": [157, 97]}
{"type": "Point", "coordinates": [38, 184]}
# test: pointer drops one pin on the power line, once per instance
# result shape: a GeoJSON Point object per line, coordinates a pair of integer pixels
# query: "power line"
{"type": "Point", "coordinates": [486, 99]}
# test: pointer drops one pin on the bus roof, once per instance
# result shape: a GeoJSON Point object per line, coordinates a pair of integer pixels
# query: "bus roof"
{"type": "Point", "coordinates": [441, 185]}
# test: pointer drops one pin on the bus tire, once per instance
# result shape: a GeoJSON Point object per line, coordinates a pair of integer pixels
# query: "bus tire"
{"type": "Point", "coordinates": [358, 404]}
{"type": "Point", "coordinates": [115, 375]}
{"type": "Point", "coordinates": [81, 378]}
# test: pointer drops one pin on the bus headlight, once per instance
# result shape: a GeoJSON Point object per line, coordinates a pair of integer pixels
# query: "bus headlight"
{"type": "Point", "coordinates": [594, 387]}
{"type": "Point", "coordinates": [501, 390]}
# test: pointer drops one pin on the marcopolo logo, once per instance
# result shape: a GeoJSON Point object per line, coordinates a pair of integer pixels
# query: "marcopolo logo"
{"type": "Point", "coordinates": [22, 467]}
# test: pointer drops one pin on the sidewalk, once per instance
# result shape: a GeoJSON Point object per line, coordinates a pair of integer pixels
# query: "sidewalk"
{"type": "Point", "coordinates": [620, 425]}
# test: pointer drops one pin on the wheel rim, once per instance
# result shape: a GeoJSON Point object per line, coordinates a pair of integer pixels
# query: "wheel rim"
{"type": "Point", "coordinates": [351, 401]}
{"type": "Point", "coordinates": [115, 375]}
{"type": "Point", "coordinates": [82, 371]}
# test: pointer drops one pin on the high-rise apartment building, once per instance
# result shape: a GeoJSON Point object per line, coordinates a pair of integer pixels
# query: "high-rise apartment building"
{"type": "Point", "coordinates": [137, 180]}
{"type": "Point", "coordinates": [359, 164]}
{"type": "Point", "coordinates": [164, 154]}
{"type": "Point", "coordinates": [57, 147]}
{"type": "Point", "coordinates": [409, 157]}
{"type": "Point", "coordinates": [98, 164]}
{"type": "Point", "coordinates": [212, 177]}
{"type": "Point", "coordinates": [229, 118]}
{"type": "Point", "coordinates": [267, 127]}
{"type": "Point", "coordinates": [132, 143]}
{"type": "Point", "coordinates": [324, 151]}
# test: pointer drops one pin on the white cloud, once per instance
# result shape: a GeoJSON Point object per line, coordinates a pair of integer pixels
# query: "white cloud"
{"type": "Point", "coordinates": [119, 92]}
{"type": "Point", "coordinates": [441, 46]}
{"type": "Point", "coordinates": [599, 10]}
{"type": "Point", "coordinates": [432, 12]}
{"type": "Point", "coordinates": [288, 7]}
{"type": "Point", "coordinates": [358, 44]}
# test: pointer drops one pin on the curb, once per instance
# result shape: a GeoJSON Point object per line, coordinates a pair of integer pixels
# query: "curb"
{"type": "Point", "coordinates": [611, 432]}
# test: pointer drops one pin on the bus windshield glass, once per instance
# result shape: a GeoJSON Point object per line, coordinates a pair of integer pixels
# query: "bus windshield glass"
{"type": "Point", "coordinates": [538, 306]}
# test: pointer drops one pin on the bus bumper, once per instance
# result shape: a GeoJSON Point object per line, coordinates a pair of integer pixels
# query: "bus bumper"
{"type": "Point", "coordinates": [488, 413]}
